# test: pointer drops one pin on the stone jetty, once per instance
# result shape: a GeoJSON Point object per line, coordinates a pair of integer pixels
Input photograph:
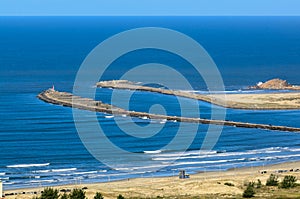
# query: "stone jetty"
{"type": "Point", "coordinates": [125, 84]}
{"type": "Point", "coordinates": [70, 100]}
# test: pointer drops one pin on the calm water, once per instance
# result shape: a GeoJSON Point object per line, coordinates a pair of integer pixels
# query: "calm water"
{"type": "Point", "coordinates": [39, 141]}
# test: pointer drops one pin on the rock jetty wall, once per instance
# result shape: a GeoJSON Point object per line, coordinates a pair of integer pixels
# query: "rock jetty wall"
{"type": "Point", "coordinates": [125, 84]}
{"type": "Point", "coordinates": [70, 100]}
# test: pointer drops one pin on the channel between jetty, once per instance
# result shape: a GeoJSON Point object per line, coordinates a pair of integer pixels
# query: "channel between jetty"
{"type": "Point", "coordinates": [69, 100]}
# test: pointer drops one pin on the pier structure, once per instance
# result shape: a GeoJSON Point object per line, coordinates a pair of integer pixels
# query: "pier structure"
{"type": "Point", "coordinates": [70, 100]}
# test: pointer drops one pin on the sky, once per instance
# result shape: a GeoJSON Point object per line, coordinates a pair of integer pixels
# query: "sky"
{"type": "Point", "coordinates": [150, 8]}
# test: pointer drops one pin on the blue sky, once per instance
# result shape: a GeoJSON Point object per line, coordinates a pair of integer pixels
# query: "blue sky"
{"type": "Point", "coordinates": [150, 7]}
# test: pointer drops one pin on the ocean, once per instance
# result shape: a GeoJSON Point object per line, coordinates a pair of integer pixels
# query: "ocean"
{"type": "Point", "coordinates": [40, 145]}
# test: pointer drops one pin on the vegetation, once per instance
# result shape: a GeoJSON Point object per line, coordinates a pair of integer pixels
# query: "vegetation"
{"type": "Point", "coordinates": [249, 192]}
{"type": "Point", "coordinates": [98, 196]}
{"type": "Point", "coordinates": [288, 182]}
{"type": "Point", "coordinates": [49, 193]}
{"type": "Point", "coordinates": [287, 188]}
{"type": "Point", "coordinates": [120, 197]}
{"type": "Point", "coordinates": [272, 180]}
{"type": "Point", "coordinates": [64, 196]}
{"type": "Point", "coordinates": [77, 194]}
{"type": "Point", "coordinates": [258, 184]}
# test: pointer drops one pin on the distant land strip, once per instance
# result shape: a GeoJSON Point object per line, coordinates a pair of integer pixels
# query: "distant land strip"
{"type": "Point", "coordinates": [70, 100]}
{"type": "Point", "coordinates": [264, 101]}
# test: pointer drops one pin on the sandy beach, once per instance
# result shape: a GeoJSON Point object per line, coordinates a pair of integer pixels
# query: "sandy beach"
{"type": "Point", "coordinates": [209, 184]}
{"type": "Point", "coordinates": [266, 101]}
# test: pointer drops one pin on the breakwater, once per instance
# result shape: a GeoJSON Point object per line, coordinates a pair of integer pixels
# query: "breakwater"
{"type": "Point", "coordinates": [70, 100]}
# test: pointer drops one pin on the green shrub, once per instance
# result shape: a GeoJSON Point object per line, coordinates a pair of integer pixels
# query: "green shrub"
{"type": "Point", "coordinates": [120, 197]}
{"type": "Point", "coordinates": [249, 192]}
{"type": "Point", "coordinates": [288, 182]}
{"type": "Point", "coordinates": [64, 196]}
{"type": "Point", "coordinates": [77, 194]}
{"type": "Point", "coordinates": [258, 184]}
{"type": "Point", "coordinates": [272, 180]}
{"type": "Point", "coordinates": [98, 196]}
{"type": "Point", "coordinates": [49, 193]}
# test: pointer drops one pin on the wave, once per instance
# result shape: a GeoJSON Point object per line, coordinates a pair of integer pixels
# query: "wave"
{"type": "Point", "coordinates": [41, 171]}
{"type": "Point", "coordinates": [108, 116]}
{"type": "Point", "coordinates": [102, 171]}
{"type": "Point", "coordinates": [294, 149]}
{"type": "Point", "coordinates": [97, 176]}
{"type": "Point", "coordinates": [40, 181]}
{"type": "Point", "coordinates": [63, 170]}
{"type": "Point", "coordinates": [211, 154]}
{"type": "Point", "coordinates": [8, 183]}
{"type": "Point", "coordinates": [2, 174]}
{"type": "Point", "coordinates": [138, 168]}
{"type": "Point", "coordinates": [85, 172]}
{"type": "Point", "coordinates": [153, 152]}
{"type": "Point", "coordinates": [144, 118]}
{"type": "Point", "coordinates": [187, 153]}
{"type": "Point", "coordinates": [268, 158]}
{"type": "Point", "coordinates": [27, 165]}
{"type": "Point", "coordinates": [163, 121]}
{"type": "Point", "coordinates": [208, 162]}
{"type": "Point", "coordinates": [66, 174]}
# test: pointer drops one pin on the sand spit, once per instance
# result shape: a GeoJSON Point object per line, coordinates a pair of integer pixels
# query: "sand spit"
{"type": "Point", "coordinates": [266, 101]}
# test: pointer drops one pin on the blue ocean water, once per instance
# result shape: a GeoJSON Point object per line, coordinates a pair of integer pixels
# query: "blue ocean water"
{"type": "Point", "coordinates": [39, 141]}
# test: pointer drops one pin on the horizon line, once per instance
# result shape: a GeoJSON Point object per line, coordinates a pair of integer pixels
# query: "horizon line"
{"type": "Point", "coordinates": [292, 15]}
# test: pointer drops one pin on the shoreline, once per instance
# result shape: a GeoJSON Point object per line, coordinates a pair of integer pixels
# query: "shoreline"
{"type": "Point", "coordinates": [211, 183]}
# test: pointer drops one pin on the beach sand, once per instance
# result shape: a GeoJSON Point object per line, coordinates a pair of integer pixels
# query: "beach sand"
{"type": "Point", "coordinates": [261, 101]}
{"type": "Point", "coordinates": [202, 184]}
{"type": "Point", "coordinates": [251, 101]}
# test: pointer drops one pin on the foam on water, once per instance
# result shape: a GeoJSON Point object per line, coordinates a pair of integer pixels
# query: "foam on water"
{"type": "Point", "coordinates": [27, 165]}
{"type": "Point", "coordinates": [153, 152]}
{"type": "Point", "coordinates": [63, 170]}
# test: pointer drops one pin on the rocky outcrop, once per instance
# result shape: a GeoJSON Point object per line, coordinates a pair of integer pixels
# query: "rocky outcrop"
{"type": "Point", "coordinates": [275, 84]}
